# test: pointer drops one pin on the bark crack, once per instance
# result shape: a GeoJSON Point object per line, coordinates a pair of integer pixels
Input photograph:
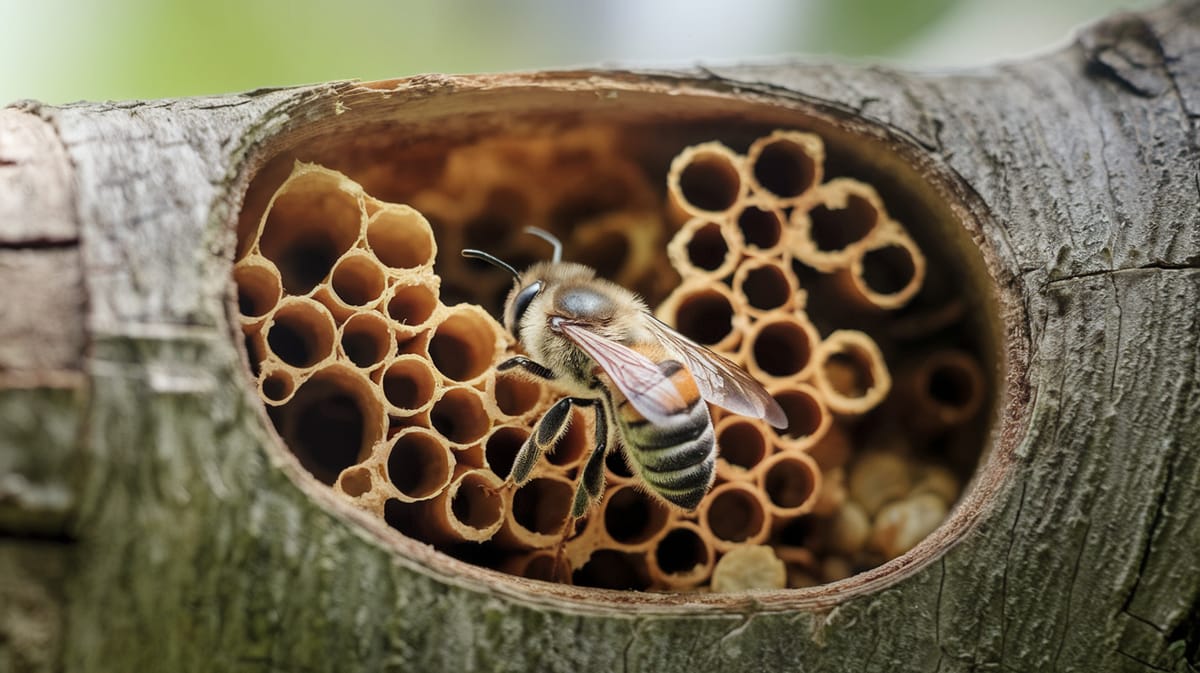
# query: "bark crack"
{"type": "Point", "coordinates": [1156, 521]}
{"type": "Point", "coordinates": [1066, 621]}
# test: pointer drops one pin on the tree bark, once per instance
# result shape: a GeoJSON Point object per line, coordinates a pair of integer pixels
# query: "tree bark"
{"type": "Point", "coordinates": [150, 521]}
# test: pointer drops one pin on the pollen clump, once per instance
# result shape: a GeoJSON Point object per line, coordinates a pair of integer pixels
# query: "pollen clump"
{"type": "Point", "coordinates": [374, 346]}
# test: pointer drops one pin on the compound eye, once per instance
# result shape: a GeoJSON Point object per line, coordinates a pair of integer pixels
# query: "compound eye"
{"type": "Point", "coordinates": [521, 303]}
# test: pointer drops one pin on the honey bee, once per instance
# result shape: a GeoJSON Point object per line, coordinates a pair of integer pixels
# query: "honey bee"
{"type": "Point", "coordinates": [645, 382]}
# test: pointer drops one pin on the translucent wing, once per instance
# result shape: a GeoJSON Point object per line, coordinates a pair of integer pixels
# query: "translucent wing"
{"type": "Point", "coordinates": [634, 374]}
{"type": "Point", "coordinates": [720, 381]}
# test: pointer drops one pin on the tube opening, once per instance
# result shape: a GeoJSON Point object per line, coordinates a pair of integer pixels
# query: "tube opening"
{"type": "Point", "coordinates": [781, 348]}
{"type": "Point", "coordinates": [408, 384]}
{"type": "Point", "coordinates": [411, 305]}
{"type": "Point", "coordinates": [301, 333]}
{"type": "Point", "coordinates": [311, 223]}
{"type": "Point", "coordinates": [708, 248]}
{"type": "Point", "coordinates": [740, 442]}
{"type": "Point", "coordinates": [835, 229]}
{"type": "Point", "coordinates": [612, 569]}
{"type": "Point", "coordinates": [631, 517]}
{"type": "Point", "coordinates": [459, 416]}
{"type": "Point", "coordinates": [463, 345]}
{"type": "Point", "coordinates": [516, 396]}
{"type": "Point", "coordinates": [355, 481]}
{"type": "Point", "coordinates": [329, 424]}
{"type": "Point", "coordinates": [401, 238]}
{"type": "Point", "coordinates": [761, 228]}
{"type": "Point", "coordinates": [501, 448]}
{"type": "Point", "coordinates": [419, 465]}
{"type": "Point", "coordinates": [278, 385]}
{"type": "Point", "coordinates": [785, 169]}
{"type": "Point", "coordinates": [710, 182]}
{"type": "Point", "coordinates": [367, 340]}
{"type": "Point", "coordinates": [735, 515]}
{"type": "Point", "coordinates": [542, 504]}
{"type": "Point", "coordinates": [259, 289]}
{"type": "Point", "coordinates": [806, 416]}
{"type": "Point", "coordinates": [791, 481]}
{"type": "Point", "coordinates": [705, 316]}
{"type": "Point", "coordinates": [357, 280]}
{"type": "Point", "coordinates": [682, 551]}
{"type": "Point", "coordinates": [476, 503]}
{"type": "Point", "coordinates": [888, 270]}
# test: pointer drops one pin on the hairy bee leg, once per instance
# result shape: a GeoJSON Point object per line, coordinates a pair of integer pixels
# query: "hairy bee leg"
{"type": "Point", "coordinates": [538, 370]}
{"type": "Point", "coordinates": [548, 431]}
{"type": "Point", "coordinates": [591, 480]}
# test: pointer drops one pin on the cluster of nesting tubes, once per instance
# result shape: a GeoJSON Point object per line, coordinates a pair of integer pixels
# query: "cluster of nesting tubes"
{"type": "Point", "coordinates": [386, 390]}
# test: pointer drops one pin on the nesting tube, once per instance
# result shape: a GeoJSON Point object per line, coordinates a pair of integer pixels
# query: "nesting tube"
{"type": "Point", "coordinates": [464, 343]}
{"type": "Point", "coordinates": [780, 346]}
{"type": "Point", "coordinates": [460, 416]}
{"type": "Point", "coordinates": [742, 443]}
{"type": "Point", "coordinates": [808, 417]}
{"type": "Point", "coordinates": [705, 248]}
{"type": "Point", "coordinates": [786, 165]}
{"type": "Point", "coordinates": [883, 276]}
{"type": "Point", "coordinates": [736, 513]}
{"type": "Point", "coordinates": [537, 512]}
{"type": "Point", "coordinates": [763, 228]}
{"type": "Point", "coordinates": [410, 304]}
{"type": "Point", "coordinates": [705, 312]}
{"type": "Point", "coordinates": [276, 385]}
{"type": "Point", "coordinates": [470, 509]}
{"type": "Point", "coordinates": [331, 421]}
{"type": "Point", "coordinates": [357, 281]}
{"type": "Point", "coordinates": [683, 558]}
{"type": "Point", "coordinates": [516, 396]}
{"type": "Point", "coordinates": [850, 373]}
{"type": "Point", "coordinates": [765, 285]}
{"type": "Point", "coordinates": [844, 218]}
{"type": "Point", "coordinates": [941, 390]}
{"type": "Point", "coordinates": [419, 464]}
{"type": "Point", "coordinates": [408, 384]}
{"type": "Point", "coordinates": [300, 333]}
{"type": "Point", "coordinates": [633, 519]}
{"type": "Point", "coordinates": [791, 481]}
{"type": "Point", "coordinates": [401, 238]}
{"type": "Point", "coordinates": [354, 481]}
{"type": "Point", "coordinates": [366, 340]}
{"type": "Point", "coordinates": [311, 221]}
{"type": "Point", "coordinates": [501, 447]}
{"type": "Point", "coordinates": [707, 181]}
{"type": "Point", "coordinates": [259, 288]}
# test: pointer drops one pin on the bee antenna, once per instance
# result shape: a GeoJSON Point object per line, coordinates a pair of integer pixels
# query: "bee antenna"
{"type": "Point", "coordinates": [491, 259]}
{"type": "Point", "coordinates": [549, 238]}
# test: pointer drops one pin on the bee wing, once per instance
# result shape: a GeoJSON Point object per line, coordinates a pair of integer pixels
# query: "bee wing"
{"type": "Point", "coordinates": [634, 374]}
{"type": "Point", "coordinates": [720, 381]}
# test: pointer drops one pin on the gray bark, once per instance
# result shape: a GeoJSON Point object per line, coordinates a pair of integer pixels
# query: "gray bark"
{"type": "Point", "coordinates": [150, 521]}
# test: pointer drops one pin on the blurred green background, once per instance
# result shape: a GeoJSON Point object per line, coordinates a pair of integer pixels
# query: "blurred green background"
{"type": "Point", "coordinates": [62, 50]}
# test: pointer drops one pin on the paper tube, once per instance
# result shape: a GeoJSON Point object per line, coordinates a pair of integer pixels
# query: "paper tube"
{"type": "Point", "coordinates": [633, 519]}
{"type": "Point", "coordinates": [808, 419]}
{"type": "Point", "coordinates": [742, 443]}
{"type": "Point", "coordinates": [464, 343]}
{"type": "Point", "coordinates": [537, 512]}
{"type": "Point", "coordinates": [614, 569]}
{"type": "Point", "coordinates": [332, 421]}
{"type": "Point", "coordinates": [356, 282]}
{"type": "Point", "coordinates": [735, 513]}
{"type": "Point", "coordinates": [706, 313]}
{"type": "Point", "coordinates": [886, 274]}
{"type": "Point", "coordinates": [501, 447]}
{"type": "Point", "coordinates": [259, 288]}
{"type": "Point", "coordinates": [516, 396]}
{"type": "Point", "coordinates": [786, 165]}
{"type": "Point", "coordinates": [366, 340]}
{"type": "Point", "coordinates": [780, 346]}
{"type": "Point", "coordinates": [419, 464]}
{"type": "Point", "coordinates": [850, 373]}
{"type": "Point", "coordinates": [313, 219]}
{"type": "Point", "coordinates": [300, 333]}
{"type": "Point", "coordinates": [791, 481]}
{"type": "Point", "coordinates": [844, 216]}
{"type": "Point", "coordinates": [682, 559]}
{"type": "Point", "coordinates": [767, 285]}
{"type": "Point", "coordinates": [705, 249]}
{"type": "Point", "coordinates": [410, 304]}
{"type": "Point", "coordinates": [706, 180]}
{"type": "Point", "coordinates": [408, 384]}
{"type": "Point", "coordinates": [470, 509]}
{"type": "Point", "coordinates": [276, 385]}
{"type": "Point", "coordinates": [401, 238]}
{"type": "Point", "coordinates": [941, 390]}
{"type": "Point", "coordinates": [763, 227]}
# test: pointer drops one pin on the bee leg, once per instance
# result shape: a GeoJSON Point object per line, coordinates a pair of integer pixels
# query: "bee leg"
{"type": "Point", "coordinates": [548, 431]}
{"type": "Point", "coordinates": [591, 480]}
{"type": "Point", "coordinates": [540, 371]}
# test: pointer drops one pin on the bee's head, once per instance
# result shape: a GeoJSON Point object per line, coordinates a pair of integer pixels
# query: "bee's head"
{"type": "Point", "coordinates": [527, 286]}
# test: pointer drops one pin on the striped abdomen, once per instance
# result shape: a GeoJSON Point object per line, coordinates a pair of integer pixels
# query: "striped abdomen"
{"type": "Point", "coordinates": [675, 458]}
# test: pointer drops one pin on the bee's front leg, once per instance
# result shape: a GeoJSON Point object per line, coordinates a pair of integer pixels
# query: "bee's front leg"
{"type": "Point", "coordinates": [539, 370]}
{"type": "Point", "coordinates": [548, 430]}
